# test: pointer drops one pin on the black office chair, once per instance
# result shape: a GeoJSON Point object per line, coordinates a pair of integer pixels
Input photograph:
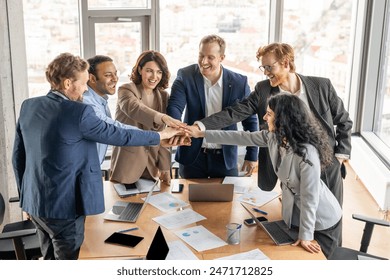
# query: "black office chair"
{"type": "Point", "coordinates": [18, 240]}
{"type": "Point", "coordinates": [342, 253]}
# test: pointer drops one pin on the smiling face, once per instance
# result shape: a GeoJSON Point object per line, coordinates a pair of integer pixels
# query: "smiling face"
{"type": "Point", "coordinates": [105, 80]}
{"type": "Point", "coordinates": [278, 71]}
{"type": "Point", "coordinates": [269, 117]}
{"type": "Point", "coordinates": [209, 60]}
{"type": "Point", "coordinates": [151, 75]}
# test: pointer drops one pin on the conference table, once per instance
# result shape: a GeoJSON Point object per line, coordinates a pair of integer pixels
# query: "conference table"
{"type": "Point", "coordinates": [218, 215]}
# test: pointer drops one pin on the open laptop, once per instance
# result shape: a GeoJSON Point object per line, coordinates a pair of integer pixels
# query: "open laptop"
{"type": "Point", "coordinates": [278, 231]}
{"type": "Point", "coordinates": [158, 249]}
{"type": "Point", "coordinates": [210, 192]}
{"type": "Point", "coordinates": [123, 211]}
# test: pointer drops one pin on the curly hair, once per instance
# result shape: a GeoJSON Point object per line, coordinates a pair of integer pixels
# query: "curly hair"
{"type": "Point", "coordinates": [144, 58]}
{"type": "Point", "coordinates": [64, 66]}
{"type": "Point", "coordinates": [295, 126]}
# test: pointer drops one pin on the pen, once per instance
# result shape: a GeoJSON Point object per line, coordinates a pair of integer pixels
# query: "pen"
{"type": "Point", "coordinates": [129, 229]}
{"type": "Point", "coordinates": [260, 211]}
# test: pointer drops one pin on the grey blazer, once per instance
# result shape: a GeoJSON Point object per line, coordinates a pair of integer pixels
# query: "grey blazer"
{"type": "Point", "coordinates": [307, 202]}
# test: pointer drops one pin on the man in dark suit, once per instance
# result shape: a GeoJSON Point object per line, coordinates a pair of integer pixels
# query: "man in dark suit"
{"type": "Point", "coordinates": [201, 90]}
{"type": "Point", "coordinates": [55, 159]}
{"type": "Point", "coordinates": [277, 62]}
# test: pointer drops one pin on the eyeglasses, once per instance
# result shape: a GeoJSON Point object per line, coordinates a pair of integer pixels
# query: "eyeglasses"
{"type": "Point", "coordinates": [267, 67]}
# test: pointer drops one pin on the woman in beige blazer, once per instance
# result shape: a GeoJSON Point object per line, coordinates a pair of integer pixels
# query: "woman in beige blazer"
{"type": "Point", "coordinates": [299, 149]}
{"type": "Point", "coordinates": [142, 103]}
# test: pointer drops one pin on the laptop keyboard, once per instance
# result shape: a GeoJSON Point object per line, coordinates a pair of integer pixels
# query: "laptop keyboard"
{"type": "Point", "coordinates": [131, 211]}
{"type": "Point", "coordinates": [277, 232]}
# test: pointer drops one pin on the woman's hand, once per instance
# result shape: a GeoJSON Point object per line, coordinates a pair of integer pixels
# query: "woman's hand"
{"type": "Point", "coordinates": [308, 245]}
{"type": "Point", "coordinates": [169, 121]}
{"type": "Point", "coordinates": [165, 176]}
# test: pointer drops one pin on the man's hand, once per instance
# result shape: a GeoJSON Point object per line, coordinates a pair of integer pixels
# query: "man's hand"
{"type": "Point", "coordinates": [169, 132]}
{"type": "Point", "coordinates": [194, 131]}
{"type": "Point", "coordinates": [176, 141]}
{"type": "Point", "coordinates": [249, 167]}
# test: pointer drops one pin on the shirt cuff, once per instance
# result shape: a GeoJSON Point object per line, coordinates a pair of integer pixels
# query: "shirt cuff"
{"type": "Point", "coordinates": [201, 125]}
{"type": "Point", "coordinates": [342, 156]}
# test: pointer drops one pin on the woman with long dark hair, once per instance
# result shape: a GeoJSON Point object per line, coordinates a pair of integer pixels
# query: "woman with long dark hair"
{"type": "Point", "coordinates": [142, 103]}
{"type": "Point", "coordinates": [299, 150]}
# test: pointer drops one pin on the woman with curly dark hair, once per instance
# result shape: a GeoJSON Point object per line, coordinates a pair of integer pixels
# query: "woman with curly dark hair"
{"type": "Point", "coordinates": [299, 149]}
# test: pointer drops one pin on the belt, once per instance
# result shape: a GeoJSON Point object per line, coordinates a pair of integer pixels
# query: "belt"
{"type": "Point", "coordinates": [211, 151]}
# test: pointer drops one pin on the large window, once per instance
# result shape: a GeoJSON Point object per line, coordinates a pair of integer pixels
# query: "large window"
{"type": "Point", "coordinates": [243, 25]}
{"type": "Point", "coordinates": [382, 116]}
{"type": "Point", "coordinates": [321, 33]}
{"type": "Point", "coordinates": [51, 27]}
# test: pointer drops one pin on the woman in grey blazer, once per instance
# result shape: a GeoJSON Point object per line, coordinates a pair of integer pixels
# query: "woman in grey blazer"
{"type": "Point", "coordinates": [299, 150]}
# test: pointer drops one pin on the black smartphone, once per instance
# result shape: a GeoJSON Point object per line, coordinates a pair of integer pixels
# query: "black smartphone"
{"type": "Point", "coordinates": [251, 222]}
{"type": "Point", "coordinates": [178, 188]}
{"type": "Point", "coordinates": [124, 239]}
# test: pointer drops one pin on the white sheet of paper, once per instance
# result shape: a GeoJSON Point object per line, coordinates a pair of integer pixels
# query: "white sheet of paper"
{"type": "Point", "coordinates": [166, 202]}
{"type": "Point", "coordinates": [255, 254]}
{"type": "Point", "coordinates": [179, 251]}
{"type": "Point", "coordinates": [258, 197]}
{"type": "Point", "coordinates": [200, 238]}
{"type": "Point", "coordinates": [179, 218]}
{"type": "Point", "coordinates": [241, 184]}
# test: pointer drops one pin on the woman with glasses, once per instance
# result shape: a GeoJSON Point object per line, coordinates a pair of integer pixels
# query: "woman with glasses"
{"type": "Point", "coordinates": [299, 150]}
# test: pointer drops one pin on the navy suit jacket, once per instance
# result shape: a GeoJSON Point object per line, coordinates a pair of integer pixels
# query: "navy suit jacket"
{"type": "Point", "coordinates": [55, 159]}
{"type": "Point", "coordinates": [188, 94]}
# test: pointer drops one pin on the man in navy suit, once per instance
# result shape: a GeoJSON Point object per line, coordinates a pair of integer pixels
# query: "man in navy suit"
{"type": "Point", "coordinates": [201, 90]}
{"type": "Point", "coordinates": [55, 159]}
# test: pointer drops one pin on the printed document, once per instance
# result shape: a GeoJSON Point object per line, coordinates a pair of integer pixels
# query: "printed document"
{"type": "Point", "coordinates": [258, 197]}
{"type": "Point", "coordinates": [200, 238]}
{"type": "Point", "coordinates": [179, 218]}
{"type": "Point", "coordinates": [166, 202]}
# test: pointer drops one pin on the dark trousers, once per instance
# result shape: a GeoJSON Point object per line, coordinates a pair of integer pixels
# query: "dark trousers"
{"type": "Point", "coordinates": [332, 178]}
{"type": "Point", "coordinates": [209, 164]}
{"type": "Point", "coordinates": [329, 238]}
{"type": "Point", "coordinates": [60, 239]}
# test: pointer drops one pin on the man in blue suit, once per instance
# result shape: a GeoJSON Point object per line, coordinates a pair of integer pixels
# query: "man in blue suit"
{"type": "Point", "coordinates": [201, 90]}
{"type": "Point", "coordinates": [55, 159]}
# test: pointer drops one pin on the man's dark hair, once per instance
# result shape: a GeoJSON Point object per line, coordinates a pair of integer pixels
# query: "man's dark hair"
{"type": "Point", "coordinates": [95, 61]}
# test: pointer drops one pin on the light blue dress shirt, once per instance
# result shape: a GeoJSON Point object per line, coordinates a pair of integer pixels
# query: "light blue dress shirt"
{"type": "Point", "coordinates": [100, 106]}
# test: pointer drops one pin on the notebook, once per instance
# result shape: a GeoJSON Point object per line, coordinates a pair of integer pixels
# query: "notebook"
{"type": "Point", "coordinates": [276, 230]}
{"type": "Point", "coordinates": [158, 249]}
{"type": "Point", "coordinates": [211, 192]}
{"type": "Point", "coordinates": [141, 186]}
{"type": "Point", "coordinates": [123, 211]}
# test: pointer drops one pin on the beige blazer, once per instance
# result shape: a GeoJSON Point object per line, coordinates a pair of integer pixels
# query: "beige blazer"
{"type": "Point", "coordinates": [129, 163]}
